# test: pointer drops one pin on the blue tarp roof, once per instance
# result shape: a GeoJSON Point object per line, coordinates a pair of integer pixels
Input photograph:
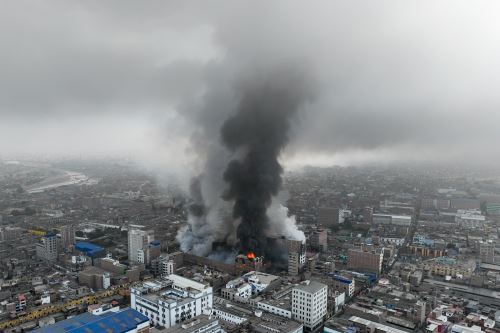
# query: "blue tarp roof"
{"type": "Point", "coordinates": [116, 322]}
{"type": "Point", "coordinates": [88, 248]}
{"type": "Point", "coordinates": [341, 278]}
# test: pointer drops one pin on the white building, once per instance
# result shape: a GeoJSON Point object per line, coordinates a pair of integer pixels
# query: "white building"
{"type": "Point", "coordinates": [251, 283]}
{"type": "Point", "coordinates": [338, 300]}
{"type": "Point", "coordinates": [199, 324]}
{"type": "Point", "coordinates": [309, 304]}
{"type": "Point", "coordinates": [344, 214]}
{"type": "Point", "coordinates": [231, 314]}
{"type": "Point", "coordinates": [398, 241]}
{"type": "Point", "coordinates": [138, 241]}
{"type": "Point", "coordinates": [172, 300]}
{"type": "Point", "coordinates": [106, 280]}
{"type": "Point", "coordinates": [466, 329]}
{"type": "Point", "coordinates": [469, 218]}
{"type": "Point", "coordinates": [45, 299]}
{"type": "Point", "coordinates": [237, 289]}
{"type": "Point", "coordinates": [487, 251]}
{"type": "Point", "coordinates": [398, 220]}
{"type": "Point", "coordinates": [47, 248]}
{"type": "Point", "coordinates": [255, 319]}
{"type": "Point", "coordinates": [99, 309]}
{"type": "Point", "coordinates": [163, 266]}
{"type": "Point", "coordinates": [167, 267]}
{"type": "Point", "coordinates": [278, 307]}
{"type": "Point", "coordinates": [259, 281]}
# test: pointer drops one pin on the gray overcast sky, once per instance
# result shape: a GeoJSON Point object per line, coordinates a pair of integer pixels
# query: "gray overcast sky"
{"type": "Point", "coordinates": [394, 80]}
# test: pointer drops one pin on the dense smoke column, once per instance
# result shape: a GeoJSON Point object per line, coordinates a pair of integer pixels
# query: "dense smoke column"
{"type": "Point", "coordinates": [197, 206]}
{"type": "Point", "coordinates": [257, 133]}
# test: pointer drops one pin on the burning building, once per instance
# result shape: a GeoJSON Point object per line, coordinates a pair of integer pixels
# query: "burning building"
{"type": "Point", "coordinates": [249, 262]}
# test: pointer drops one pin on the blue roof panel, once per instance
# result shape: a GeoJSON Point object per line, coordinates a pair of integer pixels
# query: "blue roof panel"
{"type": "Point", "coordinates": [116, 322]}
{"type": "Point", "coordinates": [88, 248]}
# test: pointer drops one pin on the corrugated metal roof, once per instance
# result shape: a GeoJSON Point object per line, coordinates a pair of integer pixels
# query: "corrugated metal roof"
{"type": "Point", "coordinates": [116, 322]}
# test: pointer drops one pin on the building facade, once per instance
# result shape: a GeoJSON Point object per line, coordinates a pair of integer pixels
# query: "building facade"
{"type": "Point", "coordinates": [342, 284]}
{"type": "Point", "coordinates": [319, 240]}
{"type": "Point", "coordinates": [46, 249]}
{"type": "Point", "coordinates": [328, 216]}
{"type": "Point", "coordinates": [198, 324]}
{"type": "Point", "coordinates": [171, 301]}
{"type": "Point", "coordinates": [309, 304]}
{"type": "Point", "coordinates": [364, 260]}
{"type": "Point", "coordinates": [67, 236]}
{"type": "Point", "coordinates": [138, 243]}
{"type": "Point", "coordinates": [397, 220]}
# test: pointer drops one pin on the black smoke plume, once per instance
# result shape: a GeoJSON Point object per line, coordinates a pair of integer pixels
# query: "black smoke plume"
{"type": "Point", "coordinates": [257, 134]}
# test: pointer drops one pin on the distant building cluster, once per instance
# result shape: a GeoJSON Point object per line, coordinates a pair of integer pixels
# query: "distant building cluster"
{"type": "Point", "coordinates": [385, 250]}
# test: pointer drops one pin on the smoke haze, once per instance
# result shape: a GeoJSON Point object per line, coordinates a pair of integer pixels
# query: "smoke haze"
{"type": "Point", "coordinates": [396, 81]}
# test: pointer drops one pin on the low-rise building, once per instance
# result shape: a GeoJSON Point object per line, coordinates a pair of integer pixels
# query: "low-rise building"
{"type": "Point", "coordinates": [342, 284]}
{"type": "Point", "coordinates": [397, 220]}
{"type": "Point", "coordinates": [368, 326]}
{"type": "Point", "coordinates": [199, 324]}
{"type": "Point", "coordinates": [443, 266]}
{"type": "Point", "coordinates": [124, 321]}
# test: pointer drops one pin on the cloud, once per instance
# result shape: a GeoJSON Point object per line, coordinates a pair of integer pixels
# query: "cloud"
{"type": "Point", "coordinates": [393, 77]}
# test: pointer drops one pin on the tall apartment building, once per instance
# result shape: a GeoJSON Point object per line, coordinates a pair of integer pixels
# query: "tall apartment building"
{"type": "Point", "coordinates": [319, 239]}
{"type": "Point", "coordinates": [138, 243]}
{"type": "Point", "coordinates": [67, 236]}
{"type": "Point", "coordinates": [150, 252]}
{"type": "Point", "coordinates": [365, 260]}
{"type": "Point", "coordinates": [46, 249]}
{"type": "Point", "coordinates": [309, 304]}
{"type": "Point", "coordinates": [163, 266]}
{"type": "Point", "coordinates": [171, 301]}
{"type": "Point", "coordinates": [296, 256]}
{"type": "Point", "coordinates": [328, 216]}
{"type": "Point", "coordinates": [487, 252]}
{"type": "Point", "coordinates": [368, 214]}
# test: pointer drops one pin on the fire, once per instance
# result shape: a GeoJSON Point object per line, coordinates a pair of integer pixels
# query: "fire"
{"type": "Point", "coordinates": [251, 255]}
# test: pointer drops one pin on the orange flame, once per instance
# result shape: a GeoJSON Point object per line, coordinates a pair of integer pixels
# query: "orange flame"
{"type": "Point", "coordinates": [251, 255]}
